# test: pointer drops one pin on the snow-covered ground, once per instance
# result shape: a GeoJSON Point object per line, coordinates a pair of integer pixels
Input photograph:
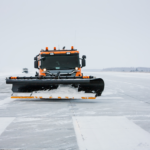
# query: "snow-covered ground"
{"type": "Point", "coordinates": [119, 119]}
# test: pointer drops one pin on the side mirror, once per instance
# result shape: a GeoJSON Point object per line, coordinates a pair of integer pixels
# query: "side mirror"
{"type": "Point", "coordinates": [35, 58]}
{"type": "Point", "coordinates": [84, 57]}
{"type": "Point", "coordinates": [83, 61]}
{"type": "Point", "coordinates": [36, 64]}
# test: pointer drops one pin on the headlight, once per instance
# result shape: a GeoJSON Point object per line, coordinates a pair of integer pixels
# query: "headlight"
{"type": "Point", "coordinates": [76, 68]}
{"type": "Point", "coordinates": [44, 69]}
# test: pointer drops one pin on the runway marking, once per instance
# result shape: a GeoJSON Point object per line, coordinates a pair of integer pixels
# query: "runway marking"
{"type": "Point", "coordinates": [107, 133]}
{"type": "Point", "coordinates": [4, 123]}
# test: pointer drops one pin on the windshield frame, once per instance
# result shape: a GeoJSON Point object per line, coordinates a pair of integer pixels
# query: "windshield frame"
{"type": "Point", "coordinates": [70, 56]}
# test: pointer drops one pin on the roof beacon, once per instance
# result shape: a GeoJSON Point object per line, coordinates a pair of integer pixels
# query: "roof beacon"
{"type": "Point", "coordinates": [46, 48]}
{"type": "Point", "coordinates": [72, 47]}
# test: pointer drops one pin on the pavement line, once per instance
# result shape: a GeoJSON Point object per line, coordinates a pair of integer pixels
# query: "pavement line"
{"type": "Point", "coordinates": [109, 132]}
{"type": "Point", "coordinates": [79, 136]}
{"type": "Point", "coordinates": [5, 122]}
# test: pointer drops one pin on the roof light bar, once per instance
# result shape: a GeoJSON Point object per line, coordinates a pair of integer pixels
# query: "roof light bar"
{"type": "Point", "coordinates": [13, 77]}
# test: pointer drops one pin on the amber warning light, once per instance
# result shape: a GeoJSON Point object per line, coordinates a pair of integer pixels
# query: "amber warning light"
{"type": "Point", "coordinates": [54, 48]}
{"type": "Point", "coordinates": [72, 47]}
{"type": "Point", "coordinates": [13, 77]}
{"type": "Point", "coordinates": [47, 48]}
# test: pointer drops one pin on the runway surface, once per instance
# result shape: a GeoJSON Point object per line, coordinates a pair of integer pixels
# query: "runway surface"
{"type": "Point", "coordinates": [119, 119]}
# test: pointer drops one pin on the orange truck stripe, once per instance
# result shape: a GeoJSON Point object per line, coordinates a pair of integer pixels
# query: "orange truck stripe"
{"type": "Point", "coordinates": [22, 96]}
{"type": "Point", "coordinates": [59, 52]}
{"type": "Point", "coordinates": [84, 97]}
{"type": "Point", "coordinates": [91, 97]}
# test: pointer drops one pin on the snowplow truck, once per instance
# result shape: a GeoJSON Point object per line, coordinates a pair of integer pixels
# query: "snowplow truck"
{"type": "Point", "coordinates": [57, 67]}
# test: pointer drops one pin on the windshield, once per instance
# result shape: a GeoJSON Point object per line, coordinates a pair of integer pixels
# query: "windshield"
{"type": "Point", "coordinates": [60, 61]}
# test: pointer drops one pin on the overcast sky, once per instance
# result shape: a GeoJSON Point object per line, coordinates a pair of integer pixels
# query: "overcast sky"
{"type": "Point", "coordinates": [110, 33]}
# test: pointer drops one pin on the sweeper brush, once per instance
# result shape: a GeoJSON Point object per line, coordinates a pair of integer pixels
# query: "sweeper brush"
{"type": "Point", "coordinates": [56, 68]}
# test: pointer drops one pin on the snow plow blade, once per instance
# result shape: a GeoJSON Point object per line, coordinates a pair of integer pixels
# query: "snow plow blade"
{"type": "Point", "coordinates": [31, 84]}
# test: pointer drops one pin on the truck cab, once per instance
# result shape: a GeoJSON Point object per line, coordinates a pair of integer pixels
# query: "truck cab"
{"type": "Point", "coordinates": [63, 62]}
